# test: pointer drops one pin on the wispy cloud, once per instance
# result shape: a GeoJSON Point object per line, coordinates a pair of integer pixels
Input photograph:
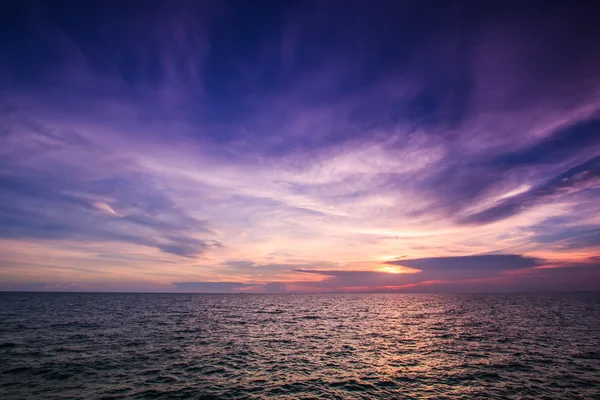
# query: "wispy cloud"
{"type": "Point", "coordinates": [297, 138]}
{"type": "Point", "coordinates": [578, 178]}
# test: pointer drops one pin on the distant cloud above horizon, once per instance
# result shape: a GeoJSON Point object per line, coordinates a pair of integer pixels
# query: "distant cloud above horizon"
{"type": "Point", "coordinates": [280, 147]}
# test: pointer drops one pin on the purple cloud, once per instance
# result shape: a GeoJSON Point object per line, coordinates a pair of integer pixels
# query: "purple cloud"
{"type": "Point", "coordinates": [576, 178]}
{"type": "Point", "coordinates": [301, 138]}
{"type": "Point", "coordinates": [494, 262]}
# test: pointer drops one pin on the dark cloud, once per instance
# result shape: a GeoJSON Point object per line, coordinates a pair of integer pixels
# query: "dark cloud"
{"type": "Point", "coordinates": [564, 159]}
{"type": "Point", "coordinates": [438, 269]}
{"type": "Point", "coordinates": [182, 246]}
{"type": "Point", "coordinates": [342, 280]}
{"type": "Point", "coordinates": [564, 144]}
{"type": "Point", "coordinates": [40, 207]}
{"type": "Point", "coordinates": [265, 271]}
{"type": "Point", "coordinates": [101, 198]}
{"type": "Point", "coordinates": [497, 262]}
{"type": "Point", "coordinates": [468, 274]}
{"type": "Point", "coordinates": [574, 178]}
{"type": "Point", "coordinates": [563, 278]}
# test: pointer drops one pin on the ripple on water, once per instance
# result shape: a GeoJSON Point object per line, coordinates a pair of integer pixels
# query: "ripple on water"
{"type": "Point", "coordinates": [344, 346]}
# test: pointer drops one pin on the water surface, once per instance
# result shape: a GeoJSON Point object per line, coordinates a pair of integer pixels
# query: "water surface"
{"type": "Point", "coordinates": [344, 346]}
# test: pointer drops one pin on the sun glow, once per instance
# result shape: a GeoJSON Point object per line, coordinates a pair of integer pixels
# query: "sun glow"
{"type": "Point", "coordinates": [398, 270]}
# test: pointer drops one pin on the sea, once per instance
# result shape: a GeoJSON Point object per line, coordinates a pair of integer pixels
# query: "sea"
{"type": "Point", "coordinates": [299, 346]}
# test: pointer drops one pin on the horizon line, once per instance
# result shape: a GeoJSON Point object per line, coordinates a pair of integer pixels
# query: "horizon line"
{"type": "Point", "coordinates": [302, 293]}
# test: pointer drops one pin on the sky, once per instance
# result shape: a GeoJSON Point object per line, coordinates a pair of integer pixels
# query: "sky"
{"type": "Point", "coordinates": [299, 146]}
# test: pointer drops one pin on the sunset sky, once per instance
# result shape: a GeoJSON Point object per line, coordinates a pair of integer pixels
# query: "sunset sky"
{"type": "Point", "coordinates": [299, 146]}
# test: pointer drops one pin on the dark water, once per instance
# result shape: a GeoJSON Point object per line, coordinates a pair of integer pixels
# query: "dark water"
{"type": "Point", "coordinates": [341, 346]}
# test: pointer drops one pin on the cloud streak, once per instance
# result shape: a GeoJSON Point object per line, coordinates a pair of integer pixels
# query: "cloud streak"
{"type": "Point", "coordinates": [298, 138]}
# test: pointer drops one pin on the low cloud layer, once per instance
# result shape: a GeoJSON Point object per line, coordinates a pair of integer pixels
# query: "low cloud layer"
{"type": "Point", "coordinates": [478, 273]}
{"type": "Point", "coordinates": [493, 262]}
{"type": "Point", "coordinates": [213, 287]}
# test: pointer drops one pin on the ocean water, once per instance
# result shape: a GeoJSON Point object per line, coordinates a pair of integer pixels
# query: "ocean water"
{"type": "Point", "coordinates": [337, 346]}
